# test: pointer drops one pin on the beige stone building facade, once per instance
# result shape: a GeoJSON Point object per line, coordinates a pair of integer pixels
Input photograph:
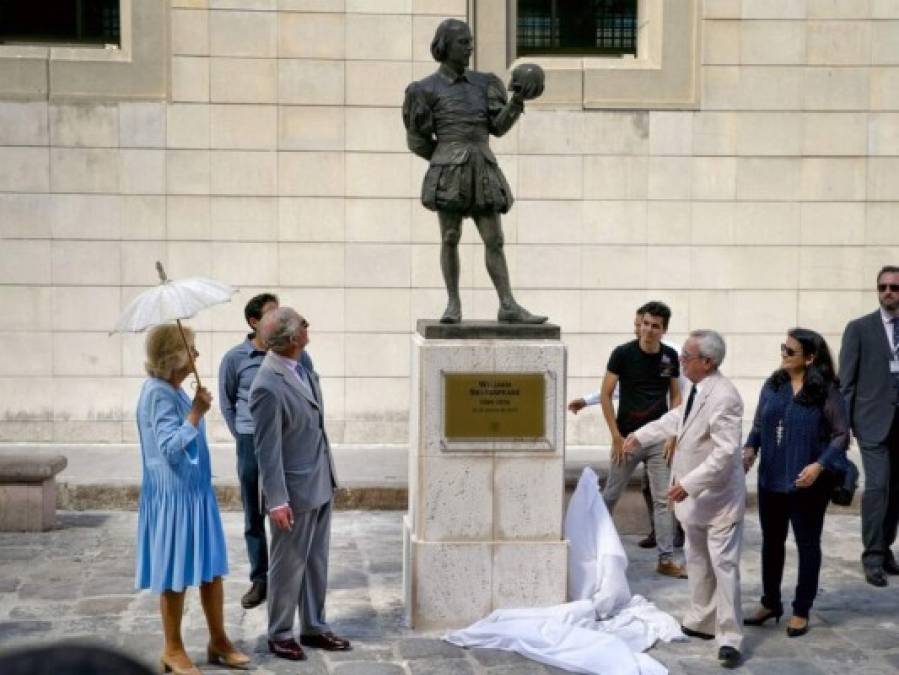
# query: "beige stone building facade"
{"type": "Point", "coordinates": [743, 167]}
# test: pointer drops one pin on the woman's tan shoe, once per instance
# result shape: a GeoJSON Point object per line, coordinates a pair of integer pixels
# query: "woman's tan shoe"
{"type": "Point", "coordinates": [230, 658]}
{"type": "Point", "coordinates": [169, 667]}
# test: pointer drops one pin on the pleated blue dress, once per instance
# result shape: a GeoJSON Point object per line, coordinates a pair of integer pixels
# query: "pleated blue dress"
{"type": "Point", "coordinates": [180, 540]}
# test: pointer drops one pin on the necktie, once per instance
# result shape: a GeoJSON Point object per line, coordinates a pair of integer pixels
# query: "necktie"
{"type": "Point", "coordinates": [690, 402]}
{"type": "Point", "coordinates": [896, 336]}
{"type": "Point", "coordinates": [305, 379]}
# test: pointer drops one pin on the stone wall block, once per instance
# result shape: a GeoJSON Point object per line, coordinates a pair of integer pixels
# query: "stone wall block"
{"type": "Point", "coordinates": [713, 177]}
{"type": "Point", "coordinates": [714, 133]}
{"type": "Point", "coordinates": [311, 36]}
{"type": "Point", "coordinates": [375, 130]}
{"type": "Point", "coordinates": [766, 223]}
{"type": "Point", "coordinates": [187, 217]}
{"type": "Point", "coordinates": [615, 177]}
{"type": "Point", "coordinates": [377, 82]}
{"type": "Point", "coordinates": [243, 80]}
{"type": "Point", "coordinates": [527, 498]}
{"type": "Point", "coordinates": [833, 179]}
{"type": "Point", "coordinates": [311, 265]}
{"type": "Point", "coordinates": [318, 174]}
{"type": "Point", "coordinates": [142, 124]}
{"type": "Point", "coordinates": [880, 226]}
{"type": "Point", "coordinates": [883, 134]}
{"type": "Point", "coordinates": [187, 172]}
{"type": "Point", "coordinates": [245, 263]}
{"type": "Point", "coordinates": [373, 174]}
{"type": "Point", "coordinates": [832, 134]}
{"type": "Point", "coordinates": [310, 82]}
{"type": "Point", "coordinates": [250, 34]}
{"type": "Point", "coordinates": [835, 89]}
{"type": "Point", "coordinates": [244, 218]}
{"type": "Point", "coordinates": [190, 78]}
{"type": "Point", "coordinates": [373, 265]}
{"type": "Point", "coordinates": [833, 224]}
{"type": "Point", "coordinates": [454, 583]}
{"type": "Point", "coordinates": [24, 170]}
{"type": "Point", "coordinates": [883, 178]}
{"type": "Point", "coordinates": [613, 267]}
{"type": "Point", "coordinates": [376, 36]}
{"type": "Point", "coordinates": [833, 43]}
{"type": "Point", "coordinates": [721, 42]}
{"type": "Point", "coordinates": [832, 267]}
{"type": "Point", "coordinates": [528, 574]}
{"type": "Point", "coordinates": [885, 42]}
{"type": "Point", "coordinates": [772, 42]}
{"type": "Point", "coordinates": [377, 309]}
{"type": "Point", "coordinates": [670, 133]}
{"type": "Point", "coordinates": [25, 262]}
{"type": "Point", "coordinates": [187, 125]}
{"type": "Point", "coordinates": [25, 216]}
{"type": "Point", "coordinates": [86, 262]}
{"type": "Point", "coordinates": [84, 170]}
{"type": "Point", "coordinates": [142, 171]}
{"type": "Point", "coordinates": [311, 127]}
{"type": "Point", "coordinates": [240, 172]}
{"type": "Point", "coordinates": [190, 32]}
{"type": "Point", "coordinates": [768, 178]}
{"type": "Point", "coordinates": [377, 354]}
{"type": "Point", "coordinates": [84, 125]}
{"type": "Point", "coordinates": [669, 178]}
{"type": "Point", "coordinates": [761, 311]}
{"type": "Point", "coordinates": [68, 303]}
{"type": "Point", "coordinates": [310, 219]}
{"type": "Point", "coordinates": [24, 123]}
{"type": "Point", "coordinates": [378, 220]}
{"type": "Point", "coordinates": [455, 498]}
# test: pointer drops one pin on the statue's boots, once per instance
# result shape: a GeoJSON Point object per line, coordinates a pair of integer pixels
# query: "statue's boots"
{"type": "Point", "coordinates": [452, 313]}
{"type": "Point", "coordinates": [518, 314]}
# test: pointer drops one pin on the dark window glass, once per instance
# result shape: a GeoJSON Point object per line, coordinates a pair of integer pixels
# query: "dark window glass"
{"type": "Point", "coordinates": [59, 21]}
{"type": "Point", "coordinates": [577, 27]}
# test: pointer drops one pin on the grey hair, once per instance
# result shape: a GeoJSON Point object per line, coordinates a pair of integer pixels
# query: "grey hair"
{"type": "Point", "coordinates": [278, 327]}
{"type": "Point", "coordinates": [711, 345]}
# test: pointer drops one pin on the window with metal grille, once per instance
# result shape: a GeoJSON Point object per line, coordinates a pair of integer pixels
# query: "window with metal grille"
{"type": "Point", "coordinates": [576, 27]}
{"type": "Point", "coordinates": [65, 22]}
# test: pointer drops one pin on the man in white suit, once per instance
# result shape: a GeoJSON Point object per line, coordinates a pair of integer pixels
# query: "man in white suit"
{"type": "Point", "coordinates": [708, 488]}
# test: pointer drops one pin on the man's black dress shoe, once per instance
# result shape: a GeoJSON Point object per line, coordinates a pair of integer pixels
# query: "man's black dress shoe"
{"type": "Point", "coordinates": [729, 657]}
{"type": "Point", "coordinates": [649, 541]}
{"type": "Point", "coordinates": [255, 596]}
{"type": "Point", "coordinates": [697, 633]}
{"type": "Point", "coordinates": [876, 577]}
{"type": "Point", "coordinates": [891, 566]}
{"type": "Point", "coordinates": [327, 641]}
{"type": "Point", "coordinates": [287, 649]}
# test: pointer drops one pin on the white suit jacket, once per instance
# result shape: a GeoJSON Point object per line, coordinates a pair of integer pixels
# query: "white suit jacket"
{"type": "Point", "coordinates": [708, 459]}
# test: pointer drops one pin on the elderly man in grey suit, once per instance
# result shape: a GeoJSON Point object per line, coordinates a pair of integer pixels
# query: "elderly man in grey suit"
{"type": "Point", "coordinates": [298, 481]}
{"type": "Point", "coordinates": [708, 488]}
{"type": "Point", "coordinates": [869, 379]}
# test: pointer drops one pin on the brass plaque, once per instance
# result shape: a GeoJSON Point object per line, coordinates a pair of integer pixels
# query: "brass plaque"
{"type": "Point", "coordinates": [494, 405]}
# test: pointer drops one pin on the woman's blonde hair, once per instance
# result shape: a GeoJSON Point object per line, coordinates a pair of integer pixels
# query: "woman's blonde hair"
{"type": "Point", "coordinates": [165, 351]}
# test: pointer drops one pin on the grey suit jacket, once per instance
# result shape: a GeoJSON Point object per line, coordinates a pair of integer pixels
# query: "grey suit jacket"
{"type": "Point", "coordinates": [865, 378]}
{"type": "Point", "coordinates": [295, 463]}
{"type": "Point", "coordinates": [707, 461]}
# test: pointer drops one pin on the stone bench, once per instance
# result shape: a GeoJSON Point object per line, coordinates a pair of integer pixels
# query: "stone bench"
{"type": "Point", "coordinates": [28, 491]}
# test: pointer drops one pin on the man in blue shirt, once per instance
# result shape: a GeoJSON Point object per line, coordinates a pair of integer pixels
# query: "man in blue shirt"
{"type": "Point", "coordinates": [236, 373]}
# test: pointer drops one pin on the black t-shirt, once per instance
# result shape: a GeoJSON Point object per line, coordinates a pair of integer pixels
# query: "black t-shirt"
{"type": "Point", "coordinates": [644, 381]}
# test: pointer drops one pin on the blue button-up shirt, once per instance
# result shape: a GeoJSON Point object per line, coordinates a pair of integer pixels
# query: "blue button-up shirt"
{"type": "Point", "coordinates": [236, 373]}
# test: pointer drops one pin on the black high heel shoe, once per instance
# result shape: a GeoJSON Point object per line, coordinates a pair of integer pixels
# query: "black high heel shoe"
{"type": "Point", "coordinates": [762, 616]}
{"type": "Point", "coordinates": [797, 632]}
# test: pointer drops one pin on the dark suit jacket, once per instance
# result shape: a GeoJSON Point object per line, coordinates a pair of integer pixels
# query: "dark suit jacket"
{"type": "Point", "coordinates": [292, 448]}
{"type": "Point", "coordinates": [865, 379]}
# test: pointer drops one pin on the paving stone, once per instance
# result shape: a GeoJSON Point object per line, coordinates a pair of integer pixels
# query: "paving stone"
{"type": "Point", "coordinates": [48, 591]}
{"type": "Point", "coordinates": [9, 585]}
{"type": "Point", "coordinates": [421, 648]}
{"type": "Point", "coordinates": [368, 668]}
{"type": "Point", "coordinates": [873, 638]}
{"type": "Point", "coordinates": [15, 629]}
{"type": "Point", "coordinates": [783, 667]}
{"type": "Point", "coordinates": [102, 605]}
{"type": "Point", "coordinates": [440, 666]}
{"type": "Point", "coordinates": [497, 657]}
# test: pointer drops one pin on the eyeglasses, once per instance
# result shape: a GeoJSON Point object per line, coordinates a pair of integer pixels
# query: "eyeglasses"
{"type": "Point", "coordinates": [304, 323]}
{"type": "Point", "coordinates": [787, 351]}
{"type": "Point", "coordinates": [883, 287]}
{"type": "Point", "coordinates": [684, 356]}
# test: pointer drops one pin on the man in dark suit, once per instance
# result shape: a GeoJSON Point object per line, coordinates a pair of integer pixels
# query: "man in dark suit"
{"type": "Point", "coordinates": [298, 482]}
{"type": "Point", "coordinates": [869, 376]}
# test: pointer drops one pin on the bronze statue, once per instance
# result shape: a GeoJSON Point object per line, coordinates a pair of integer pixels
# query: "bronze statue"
{"type": "Point", "coordinates": [449, 117]}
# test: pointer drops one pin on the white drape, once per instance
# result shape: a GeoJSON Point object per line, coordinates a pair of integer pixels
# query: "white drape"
{"type": "Point", "coordinates": [603, 630]}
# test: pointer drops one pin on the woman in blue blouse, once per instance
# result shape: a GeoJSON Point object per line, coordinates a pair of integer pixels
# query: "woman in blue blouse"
{"type": "Point", "coordinates": [180, 541]}
{"type": "Point", "coordinates": [801, 428]}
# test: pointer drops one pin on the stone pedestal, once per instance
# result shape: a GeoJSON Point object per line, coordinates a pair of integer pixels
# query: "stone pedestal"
{"type": "Point", "coordinates": [484, 526]}
{"type": "Point", "coordinates": [28, 492]}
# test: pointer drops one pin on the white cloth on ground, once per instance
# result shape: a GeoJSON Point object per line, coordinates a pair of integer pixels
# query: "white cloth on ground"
{"type": "Point", "coordinates": [604, 630]}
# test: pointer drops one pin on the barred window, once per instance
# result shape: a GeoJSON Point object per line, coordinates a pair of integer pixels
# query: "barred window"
{"type": "Point", "coordinates": [576, 27]}
{"type": "Point", "coordinates": [61, 22]}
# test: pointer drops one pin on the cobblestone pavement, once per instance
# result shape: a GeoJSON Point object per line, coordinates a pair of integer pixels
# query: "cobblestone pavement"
{"type": "Point", "coordinates": [76, 583]}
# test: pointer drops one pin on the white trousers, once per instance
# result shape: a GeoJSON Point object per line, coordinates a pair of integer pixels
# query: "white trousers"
{"type": "Point", "coordinates": [713, 566]}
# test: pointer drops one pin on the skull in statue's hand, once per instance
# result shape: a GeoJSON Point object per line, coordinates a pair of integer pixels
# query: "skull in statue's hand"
{"type": "Point", "coordinates": [527, 81]}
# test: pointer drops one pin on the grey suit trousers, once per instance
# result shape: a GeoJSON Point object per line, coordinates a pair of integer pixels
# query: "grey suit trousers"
{"type": "Point", "coordinates": [298, 574]}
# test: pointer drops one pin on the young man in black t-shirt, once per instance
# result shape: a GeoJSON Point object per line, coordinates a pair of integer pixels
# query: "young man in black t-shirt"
{"type": "Point", "coordinates": [646, 372]}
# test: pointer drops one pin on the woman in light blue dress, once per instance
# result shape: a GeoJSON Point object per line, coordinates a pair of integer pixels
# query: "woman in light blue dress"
{"type": "Point", "coordinates": [180, 541]}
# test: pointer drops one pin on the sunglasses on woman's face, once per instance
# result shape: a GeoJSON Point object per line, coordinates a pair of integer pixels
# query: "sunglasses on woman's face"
{"type": "Point", "coordinates": [787, 351]}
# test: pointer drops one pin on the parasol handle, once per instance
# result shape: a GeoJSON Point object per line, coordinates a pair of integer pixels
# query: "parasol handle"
{"type": "Point", "coordinates": [163, 277]}
{"type": "Point", "coordinates": [190, 354]}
